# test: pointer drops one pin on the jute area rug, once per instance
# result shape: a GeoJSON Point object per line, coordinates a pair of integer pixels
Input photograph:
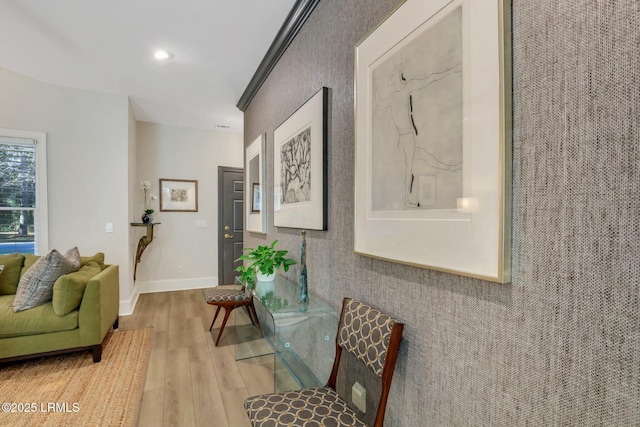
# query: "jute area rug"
{"type": "Point", "coordinates": [71, 390]}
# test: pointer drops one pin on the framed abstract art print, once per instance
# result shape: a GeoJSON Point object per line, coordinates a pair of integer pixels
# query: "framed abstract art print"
{"type": "Point", "coordinates": [433, 138]}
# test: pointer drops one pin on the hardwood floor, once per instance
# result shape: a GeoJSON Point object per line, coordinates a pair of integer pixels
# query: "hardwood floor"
{"type": "Point", "coordinates": [190, 381]}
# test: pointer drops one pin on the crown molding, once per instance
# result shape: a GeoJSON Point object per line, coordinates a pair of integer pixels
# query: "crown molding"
{"type": "Point", "coordinates": [293, 23]}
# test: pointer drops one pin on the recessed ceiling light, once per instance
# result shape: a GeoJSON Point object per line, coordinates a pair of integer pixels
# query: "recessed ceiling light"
{"type": "Point", "coordinates": [161, 54]}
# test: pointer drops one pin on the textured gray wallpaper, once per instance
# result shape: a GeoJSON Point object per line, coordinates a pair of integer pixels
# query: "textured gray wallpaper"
{"type": "Point", "coordinates": [561, 344]}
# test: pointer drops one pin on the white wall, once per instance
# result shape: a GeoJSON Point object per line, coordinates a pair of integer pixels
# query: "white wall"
{"type": "Point", "coordinates": [173, 152]}
{"type": "Point", "coordinates": [88, 139]}
{"type": "Point", "coordinates": [127, 305]}
{"type": "Point", "coordinates": [97, 156]}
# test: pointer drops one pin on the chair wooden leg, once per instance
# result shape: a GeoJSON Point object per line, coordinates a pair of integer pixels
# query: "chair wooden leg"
{"type": "Point", "coordinates": [214, 318]}
{"type": "Point", "coordinates": [227, 312]}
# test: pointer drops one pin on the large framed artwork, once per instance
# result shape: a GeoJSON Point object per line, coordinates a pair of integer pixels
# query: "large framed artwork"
{"type": "Point", "coordinates": [433, 138]}
{"type": "Point", "coordinates": [300, 169]}
{"type": "Point", "coordinates": [178, 195]}
{"type": "Point", "coordinates": [255, 181]}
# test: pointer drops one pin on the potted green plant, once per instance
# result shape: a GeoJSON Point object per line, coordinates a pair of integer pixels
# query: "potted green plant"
{"type": "Point", "coordinates": [262, 263]}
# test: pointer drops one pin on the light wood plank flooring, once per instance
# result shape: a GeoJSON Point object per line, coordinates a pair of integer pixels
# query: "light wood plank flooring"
{"type": "Point", "coordinates": [190, 381]}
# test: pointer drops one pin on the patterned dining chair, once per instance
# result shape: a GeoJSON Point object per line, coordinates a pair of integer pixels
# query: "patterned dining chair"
{"type": "Point", "coordinates": [373, 338]}
{"type": "Point", "coordinates": [230, 299]}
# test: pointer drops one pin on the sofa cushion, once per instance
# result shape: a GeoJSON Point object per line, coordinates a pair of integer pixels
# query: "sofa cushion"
{"type": "Point", "coordinates": [11, 275]}
{"type": "Point", "coordinates": [69, 289]}
{"type": "Point", "coordinates": [97, 258]}
{"type": "Point", "coordinates": [36, 285]}
{"type": "Point", "coordinates": [29, 260]}
{"type": "Point", "coordinates": [38, 320]}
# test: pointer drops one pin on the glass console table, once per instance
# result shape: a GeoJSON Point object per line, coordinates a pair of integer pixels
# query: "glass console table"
{"type": "Point", "coordinates": [301, 336]}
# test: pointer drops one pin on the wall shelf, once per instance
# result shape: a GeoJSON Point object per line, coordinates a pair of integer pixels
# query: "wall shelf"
{"type": "Point", "coordinates": [143, 242]}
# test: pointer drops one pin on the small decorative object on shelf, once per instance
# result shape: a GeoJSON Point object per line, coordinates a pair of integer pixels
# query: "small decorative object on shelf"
{"type": "Point", "coordinates": [147, 216]}
{"type": "Point", "coordinates": [304, 293]}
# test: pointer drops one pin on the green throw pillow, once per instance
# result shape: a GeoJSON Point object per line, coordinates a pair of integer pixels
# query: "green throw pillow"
{"type": "Point", "coordinates": [97, 258]}
{"type": "Point", "coordinates": [36, 285]}
{"type": "Point", "coordinates": [69, 289]}
{"type": "Point", "coordinates": [11, 275]}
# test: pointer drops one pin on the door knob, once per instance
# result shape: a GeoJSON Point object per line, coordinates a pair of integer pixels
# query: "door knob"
{"type": "Point", "coordinates": [228, 236]}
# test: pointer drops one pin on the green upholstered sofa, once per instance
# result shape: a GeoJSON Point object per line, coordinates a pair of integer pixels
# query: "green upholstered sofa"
{"type": "Point", "coordinates": [39, 331]}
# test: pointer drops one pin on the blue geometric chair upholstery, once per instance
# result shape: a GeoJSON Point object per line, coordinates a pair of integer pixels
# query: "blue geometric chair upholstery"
{"type": "Point", "coordinates": [368, 334]}
{"type": "Point", "coordinates": [229, 299]}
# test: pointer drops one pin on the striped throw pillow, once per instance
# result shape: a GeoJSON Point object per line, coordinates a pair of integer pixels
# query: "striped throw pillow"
{"type": "Point", "coordinates": [36, 284]}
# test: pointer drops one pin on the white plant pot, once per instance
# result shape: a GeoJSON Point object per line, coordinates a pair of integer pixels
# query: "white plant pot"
{"type": "Point", "coordinates": [264, 288]}
{"type": "Point", "coordinates": [265, 277]}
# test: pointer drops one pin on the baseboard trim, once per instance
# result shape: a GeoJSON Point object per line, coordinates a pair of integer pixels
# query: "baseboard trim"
{"type": "Point", "coordinates": [150, 286]}
{"type": "Point", "coordinates": [126, 306]}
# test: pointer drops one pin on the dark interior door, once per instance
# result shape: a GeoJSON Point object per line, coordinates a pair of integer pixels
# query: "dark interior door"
{"type": "Point", "coordinates": [231, 222]}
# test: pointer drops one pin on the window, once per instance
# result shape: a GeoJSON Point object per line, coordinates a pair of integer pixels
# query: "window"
{"type": "Point", "coordinates": [23, 192]}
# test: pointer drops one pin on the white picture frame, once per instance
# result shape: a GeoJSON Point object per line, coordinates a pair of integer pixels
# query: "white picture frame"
{"type": "Point", "coordinates": [255, 180]}
{"type": "Point", "coordinates": [433, 138]}
{"type": "Point", "coordinates": [300, 169]}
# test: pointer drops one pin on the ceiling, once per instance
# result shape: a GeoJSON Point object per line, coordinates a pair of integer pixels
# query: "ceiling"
{"type": "Point", "coordinates": [108, 46]}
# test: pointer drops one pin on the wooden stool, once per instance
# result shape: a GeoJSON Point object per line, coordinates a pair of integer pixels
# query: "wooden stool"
{"type": "Point", "coordinates": [230, 298]}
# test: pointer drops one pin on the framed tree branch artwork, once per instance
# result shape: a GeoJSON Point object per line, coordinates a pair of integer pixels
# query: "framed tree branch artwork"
{"type": "Point", "coordinates": [433, 138]}
{"type": "Point", "coordinates": [178, 195]}
{"type": "Point", "coordinates": [300, 169]}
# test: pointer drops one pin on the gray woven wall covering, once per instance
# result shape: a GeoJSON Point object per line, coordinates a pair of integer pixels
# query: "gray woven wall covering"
{"type": "Point", "coordinates": [561, 344]}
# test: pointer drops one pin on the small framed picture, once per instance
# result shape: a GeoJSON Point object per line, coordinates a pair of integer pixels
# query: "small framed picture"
{"type": "Point", "coordinates": [256, 203]}
{"type": "Point", "coordinates": [178, 195]}
{"type": "Point", "coordinates": [255, 179]}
